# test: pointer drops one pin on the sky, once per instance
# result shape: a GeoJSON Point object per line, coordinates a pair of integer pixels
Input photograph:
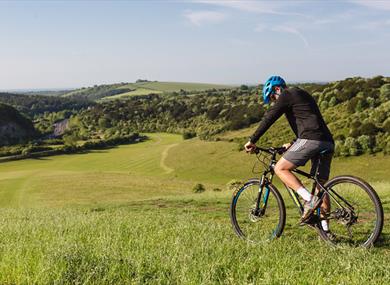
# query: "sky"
{"type": "Point", "coordinates": [69, 44]}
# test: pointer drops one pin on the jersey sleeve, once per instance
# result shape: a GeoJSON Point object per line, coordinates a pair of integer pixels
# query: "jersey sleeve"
{"type": "Point", "coordinates": [273, 113]}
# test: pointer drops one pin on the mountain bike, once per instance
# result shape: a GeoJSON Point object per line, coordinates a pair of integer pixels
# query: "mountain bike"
{"type": "Point", "coordinates": [258, 212]}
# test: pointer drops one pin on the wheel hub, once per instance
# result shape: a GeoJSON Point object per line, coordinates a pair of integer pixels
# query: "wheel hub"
{"type": "Point", "coordinates": [345, 216]}
{"type": "Point", "coordinates": [254, 215]}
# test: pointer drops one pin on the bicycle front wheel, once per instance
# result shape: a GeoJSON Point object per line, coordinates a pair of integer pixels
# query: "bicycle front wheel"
{"type": "Point", "coordinates": [356, 215]}
{"type": "Point", "coordinates": [264, 224]}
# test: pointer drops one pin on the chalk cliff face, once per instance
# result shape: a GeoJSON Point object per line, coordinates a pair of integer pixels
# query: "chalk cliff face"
{"type": "Point", "coordinates": [14, 127]}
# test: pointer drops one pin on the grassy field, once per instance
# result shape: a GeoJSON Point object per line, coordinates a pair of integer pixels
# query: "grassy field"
{"type": "Point", "coordinates": [135, 92]}
{"type": "Point", "coordinates": [142, 88]}
{"type": "Point", "coordinates": [128, 215]}
{"type": "Point", "coordinates": [146, 88]}
{"type": "Point", "coordinates": [175, 86]}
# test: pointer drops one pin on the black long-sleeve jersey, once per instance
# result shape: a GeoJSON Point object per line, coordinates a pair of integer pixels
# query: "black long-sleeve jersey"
{"type": "Point", "coordinates": [302, 113]}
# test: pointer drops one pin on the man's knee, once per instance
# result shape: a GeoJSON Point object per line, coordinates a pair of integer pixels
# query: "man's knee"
{"type": "Point", "coordinates": [278, 169]}
{"type": "Point", "coordinates": [283, 165]}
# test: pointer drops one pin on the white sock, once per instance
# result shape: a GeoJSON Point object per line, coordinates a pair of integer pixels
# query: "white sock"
{"type": "Point", "coordinates": [325, 225]}
{"type": "Point", "coordinates": [304, 193]}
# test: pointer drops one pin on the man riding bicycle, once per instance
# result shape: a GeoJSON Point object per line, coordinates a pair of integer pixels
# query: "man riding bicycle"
{"type": "Point", "coordinates": [312, 138]}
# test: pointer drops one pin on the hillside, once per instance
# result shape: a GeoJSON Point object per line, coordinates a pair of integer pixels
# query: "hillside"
{"type": "Point", "coordinates": [139, 88]}
{"type": "Point", "coordinates": [357, 111]}
{"type": "Point", "coordinates": [14, 128]}
{"type": "Point", "coordinates": [33, 105]}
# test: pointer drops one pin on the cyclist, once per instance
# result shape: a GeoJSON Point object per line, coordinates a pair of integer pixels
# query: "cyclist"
{"type": "Point", "coordinates": [312, 137]}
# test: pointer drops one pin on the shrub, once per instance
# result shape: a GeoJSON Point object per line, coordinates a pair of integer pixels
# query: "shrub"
{"type": "Point", "coordinates": [189, 135]}
{"type": "Point", "coordinates": [386, 126]}
{"type": "Point", "coordinates": [234, 184]}
{"type": "Point", "coordinates": [368, 129]}
{"type": "Point", "coordinates": [352, 146]}
{"type": "Point", "coordinates": [217, 189]}
{"type": "Point", "coordinates": [324, 105]}
{"type": "Point", "coordinates": [332, 102]}
{"type": "Point", "coordinates": [27, 150]}
{"type": "Point", "coordinates": [339, 149]}
{"type": "Point", "coordinates": [366, 143]}
{"type": "Point", "coordinates": [198, 188]}
{"type": "Point", "coordinates": [385, 92]}
{"type": "Point", "coordinates": [352, 104]}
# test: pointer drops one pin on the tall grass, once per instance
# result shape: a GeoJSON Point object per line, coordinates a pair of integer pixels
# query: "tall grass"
{"type": "Point", "coordinates": [118, 217]}
{"type": "Point", "coordinates": [171, 244]}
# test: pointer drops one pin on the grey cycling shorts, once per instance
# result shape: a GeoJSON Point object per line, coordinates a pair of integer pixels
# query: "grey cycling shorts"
{"type": "Point", "coordinates": [303, 150]}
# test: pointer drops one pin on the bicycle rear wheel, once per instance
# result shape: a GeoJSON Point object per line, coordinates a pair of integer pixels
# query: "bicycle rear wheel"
{"type": "Point", "coordinates": [266, 224]}
{"type": "Point", "coordinates": [356, 215]}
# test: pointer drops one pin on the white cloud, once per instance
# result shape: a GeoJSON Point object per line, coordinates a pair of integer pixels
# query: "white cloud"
{"type": "Point", "coordinates": [249, 6]}
{"type": "Point", "coordinates": [375, 4]}
{"type": "Point", "coordinates": [261, 7]}
{"type": "Point", "coordinates": [199, 18]}
{"type": "Point", "coordinates": [291, 30]}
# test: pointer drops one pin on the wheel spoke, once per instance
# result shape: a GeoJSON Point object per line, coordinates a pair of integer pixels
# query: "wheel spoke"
{"type": "Point", "coordinates": [257, 226]}
{"type": "Point", "coordinates": [355, 217]}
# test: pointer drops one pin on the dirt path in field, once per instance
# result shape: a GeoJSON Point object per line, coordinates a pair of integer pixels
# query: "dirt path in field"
{"type": "Point", "coordinates": [164, 155]}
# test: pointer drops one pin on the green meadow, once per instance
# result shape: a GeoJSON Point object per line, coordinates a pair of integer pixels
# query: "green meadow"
{"type": "Point", "coordinates": [151, 87]}
{"type": "Point", "coordinates": [127, 215]}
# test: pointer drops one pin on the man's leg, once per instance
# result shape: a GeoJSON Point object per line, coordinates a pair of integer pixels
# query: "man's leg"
{"type": "Point", "coordinates": [283, 170]}
{"type": "Point", "coordinates": [323, 176]}
{"type": "Point", "coordinates": [297, 155]}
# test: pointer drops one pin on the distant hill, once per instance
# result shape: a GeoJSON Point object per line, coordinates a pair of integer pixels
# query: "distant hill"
{"type": "Point", "coordinates": [139, 88]}
{"type": "Point", "coordinates": [357, 111]}
{"type": "Point", "coordinates": [14, 127]}
{"type": "Point", "coordinates": [32, 105]}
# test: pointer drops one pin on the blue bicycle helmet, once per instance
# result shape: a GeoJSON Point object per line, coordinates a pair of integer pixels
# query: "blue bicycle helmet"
{"type": "Point", "coordinates": [269, 86]}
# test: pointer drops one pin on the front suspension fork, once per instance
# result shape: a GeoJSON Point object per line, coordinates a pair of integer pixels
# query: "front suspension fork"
{"type": "Point", "coordinates": [262, 187]}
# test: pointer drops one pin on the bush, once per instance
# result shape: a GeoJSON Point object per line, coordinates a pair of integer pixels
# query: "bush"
{"type": "Point", "coordinates": [234, 184]}
{"type": "Point", "coordinates": [368, 129]}
{"type": "Point", "coordinates": [217, 189]}
{"type": "Point", "coordinates": [386, 126]}
{"type": "Point", "coordinates": [339, 149]}
{"type": "Point", "coordinates": [189, 135]}
{"type": "Point", "coordinates": [385, 92]}
{"type": "Point", "coordinates": [352, 104]}
{"type": "Point", "coordinates": [198, 188]}
{"type": "Point", "coordinates": [352, 146]}
{"type": "Point", "coordinates": [366, 143]}
{"type": "Point", "coordinates": [332, 102]}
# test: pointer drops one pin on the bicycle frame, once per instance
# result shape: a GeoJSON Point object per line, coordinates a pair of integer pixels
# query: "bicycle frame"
{"type": "Point", "coordinates": [267, 178]}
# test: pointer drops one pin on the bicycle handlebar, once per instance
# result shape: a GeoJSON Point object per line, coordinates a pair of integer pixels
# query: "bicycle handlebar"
{"type": "Point", "coordinates": [270, 150]}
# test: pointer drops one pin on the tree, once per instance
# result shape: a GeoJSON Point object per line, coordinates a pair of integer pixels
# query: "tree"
{"type": "Point", "coordinates": [352, 146]}
{"type": "Point", "coordinates": [385, 92]}
{"type": "Point", "coordinates": [70, 140]}
{"type": "Point", "coordinates": [368, 129]}
{"type": "Point", "coordinates": [366, 143]}
{"type": "Point", "coordinates": [386, 126]}
{"type": "Point", "coordinates": [332, 102]}
{"type": "Point", "coordinates": [104, 123]}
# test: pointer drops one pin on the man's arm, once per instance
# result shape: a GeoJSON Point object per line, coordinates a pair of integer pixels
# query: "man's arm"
{"type": "Point", "coordinates": [270, 117]}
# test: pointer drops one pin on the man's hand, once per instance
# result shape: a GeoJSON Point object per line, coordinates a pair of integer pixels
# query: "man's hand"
{"type": "Point", "coordinates": [249, 147]}
{"type": "Point", "coordinates": [287, 146]}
